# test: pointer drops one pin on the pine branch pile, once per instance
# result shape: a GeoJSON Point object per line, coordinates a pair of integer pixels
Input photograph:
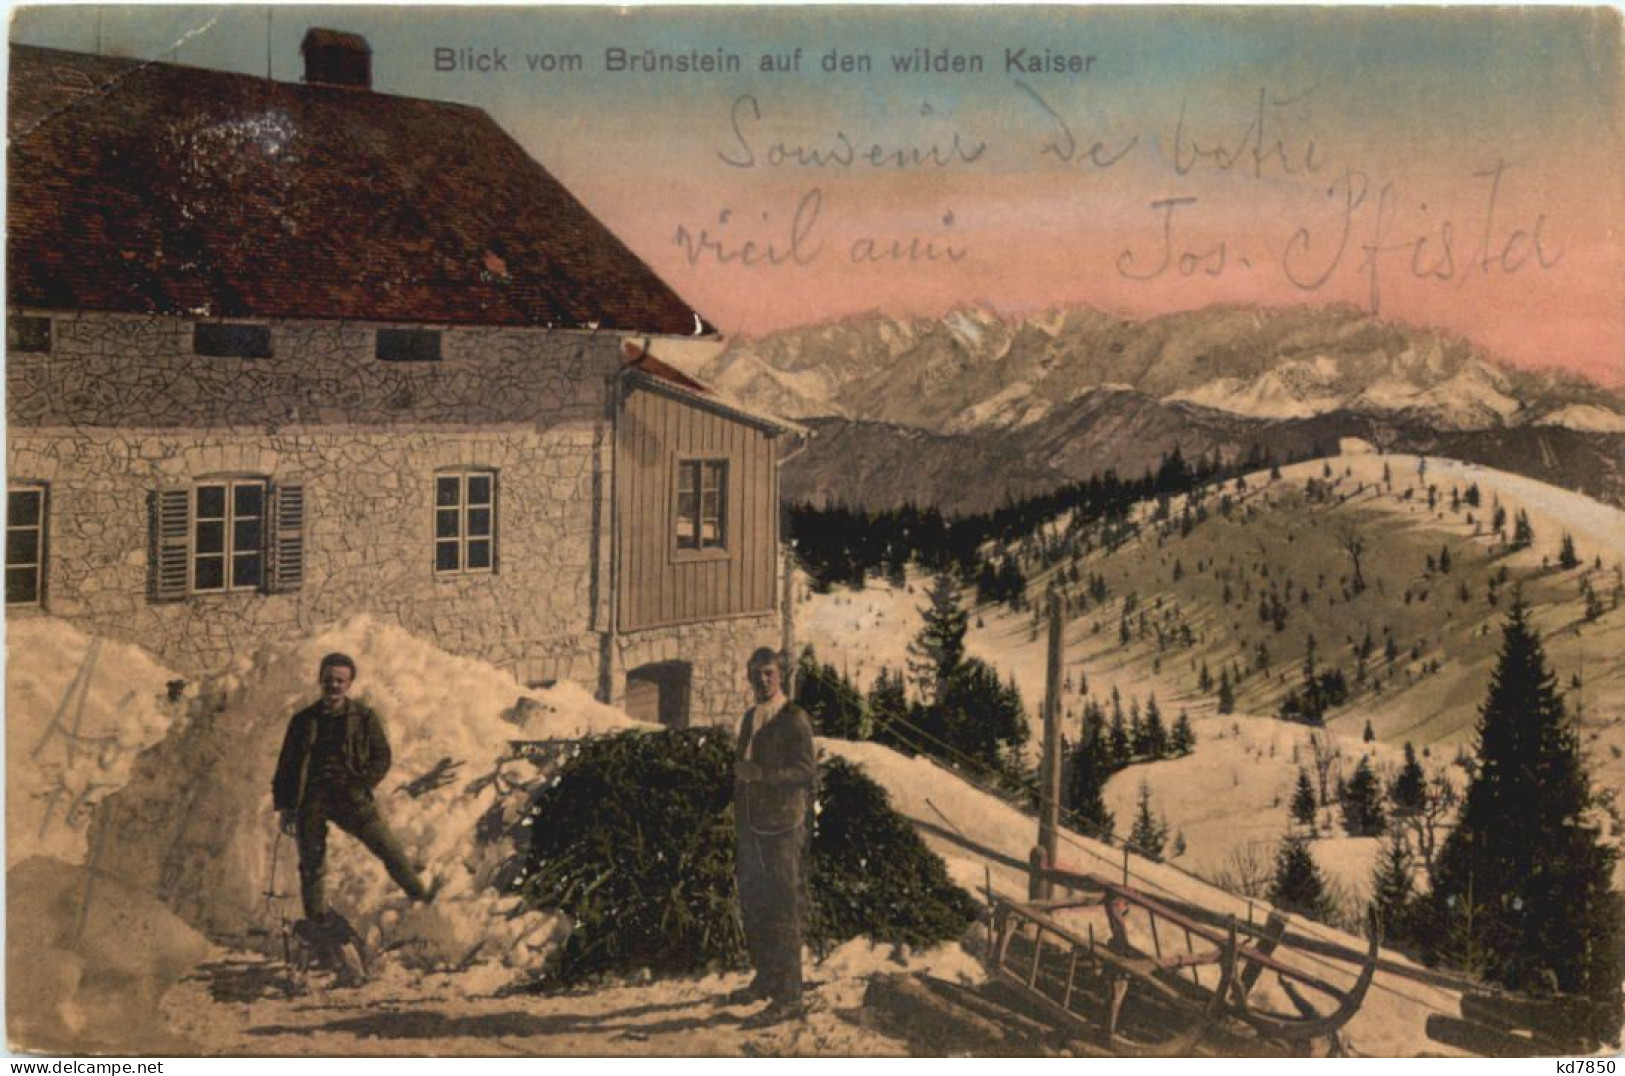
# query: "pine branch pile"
{"type": "Point", "coordinates": [634, 841]}
{"type": "Point", "coordinates": [872, 874]}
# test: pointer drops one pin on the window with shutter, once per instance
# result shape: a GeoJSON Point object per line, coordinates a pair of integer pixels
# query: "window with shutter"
{"type": "Point", "coordinates": [226, 535]}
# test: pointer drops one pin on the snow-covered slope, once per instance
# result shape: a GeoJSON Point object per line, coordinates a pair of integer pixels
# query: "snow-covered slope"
{"type": "Point", "coordinates": [194, 821]}
{"type": "Point", "coordinates": [1230, 800]}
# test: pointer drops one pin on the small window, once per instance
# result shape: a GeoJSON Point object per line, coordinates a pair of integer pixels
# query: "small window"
{"type": "Point", "coordinates": [228, 535]}
{"type": "Point", "coordinates": [702, 504]}
{"type": "Point", "coordinates": [408, 345]}
{"type": "Point", "coordinates": [465, 522]}
{"type": "Point", "coordinates": [25, 545]}
{"type": "Point", "coordinates": [231, 341]}
{"type": "Point", "coordinates": [27, 333]}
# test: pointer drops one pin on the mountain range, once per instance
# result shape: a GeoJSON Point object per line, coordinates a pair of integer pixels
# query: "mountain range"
{"type": "Point", "coordinates": [968, 408]}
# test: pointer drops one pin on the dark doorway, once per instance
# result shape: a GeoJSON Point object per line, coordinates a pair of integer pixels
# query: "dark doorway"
{"type": "Point", "coordinates": [659, 692]}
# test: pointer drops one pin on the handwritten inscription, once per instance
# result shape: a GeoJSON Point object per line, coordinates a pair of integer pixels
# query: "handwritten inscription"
{"type": "Point", "coordinates": [837, 150]}
{"type": "Point", "coordinates": [1351, 226]}
{"type": "Point", "coordinates": [791, 241]}
{"type": "Point", "coordinates": [1381, 237]}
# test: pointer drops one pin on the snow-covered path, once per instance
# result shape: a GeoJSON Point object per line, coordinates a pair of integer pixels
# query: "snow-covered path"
{"type": "Point", "coordinates": [239, 1004]}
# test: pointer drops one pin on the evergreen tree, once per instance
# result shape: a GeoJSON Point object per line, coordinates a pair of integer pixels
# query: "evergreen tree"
{"type": "Point", "coordinates": [1369, 734]}
{"type": "Point", "coordinates": [1522, 886]}
{"type": "Point", "coordinates": [1298, 885]}
{"type": "Point", "coordinates": [1183, 741]}
{"type": "Point", "coordinates": [1136, 729]}
{"type": "Point", "coordinates": [1568, 558]}
{"type": "Point", "coordinates": [1117, 738]}
{"type": "Point", "coordinates": [1303, 801]}
{"type": "Point", "coordinates": [936, 652]}
{"type": "Point", "coordinates": [829, 698]}
{"type": "Point", "coordinates": [1156, 732]}
{"type": "Point", "coordinates": [888, 707]}
{"type": "Point", "coordinates": [1148, 835]}
{"type": "Point", "coordinates": [1410, 787]}
{"type": "Point", "coordinates": [1086, 782]}
{"type": "Point", "coordinates": [1361, 802]}
{"type": "Point", "coordinates": [1523, 535]}
{"type": "Point", "coordinates": [1393, 889]}
{"type": "Point", "coordinates": [979, 716]}
{"type": "Point", "coordinates": [1227, 694]}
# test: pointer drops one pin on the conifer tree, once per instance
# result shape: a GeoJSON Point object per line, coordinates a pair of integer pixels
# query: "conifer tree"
{"type": "Point", "coordinates": [1393, 889]}
{"type": "Point", "coordinates": [1148, 835]}
{"type": "Point", "coordinates": [1568, 558]}
{"type": "Point", "coordinates": [936, 652]}
{"type": "Point", "coordinates": [979, 716]}
{"type": "Point", "coordinates": [1361, 801]}
{"type": "Point", "coordinates": [888, 706]}
{"type": "Point", "coordinates": [1523, 535]}
{"type": "Point", "coordinates": [1410, 786]}
{"type": "Point", "coordinates": [1183, 740]}
{"type": "Point", "coordinates": [1117, 738]}
{"type": "Point", "coordinates": [1298, 885]}
{"type": "Point", "coordinates": [835, 705]}
{"type": "Point", "coordinates": [1227, 693]}
{"type": "Point", "coordinates": [1156, 732]}
{"type": "Point", "coordinates": [1522, 885]}
{"type": "Point", "coordinates": [1087, 782]}
{"type": "Point", "coordinates": [1303, 801]}
{"type": "Point", "coordinates": [1136, 728]}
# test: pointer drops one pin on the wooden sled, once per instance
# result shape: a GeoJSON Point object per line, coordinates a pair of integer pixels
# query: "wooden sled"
{"type": "Point", "coordinates": [1151, 981]}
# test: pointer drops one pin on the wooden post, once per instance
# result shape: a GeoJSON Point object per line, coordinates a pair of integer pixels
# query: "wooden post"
{"type": "Point", "coordinates": [1049, 771]}
{"type": "Point", "coordinates": [1037, 863]}
{"type": "Point", "coordinates": [787, 620]}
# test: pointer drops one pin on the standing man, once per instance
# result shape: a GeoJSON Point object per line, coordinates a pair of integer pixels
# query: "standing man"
{"type": "Point", "coordinates": [773, 782]}
{"type": "Point", "coordinates": [333, 756]}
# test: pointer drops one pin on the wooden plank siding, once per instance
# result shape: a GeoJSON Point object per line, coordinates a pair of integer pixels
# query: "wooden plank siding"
{"type": "Point", "coordinates": [657, 586]}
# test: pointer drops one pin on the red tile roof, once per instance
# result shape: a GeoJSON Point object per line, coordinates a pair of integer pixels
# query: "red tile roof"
{"type": "Point", "coordinates": [155, 188]}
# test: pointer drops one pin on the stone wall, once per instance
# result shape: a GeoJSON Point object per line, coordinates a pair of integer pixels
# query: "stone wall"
{"type": "Point", "coordinates": [120, 407]}
{"type": "Point", "coordinates": [368, 531]}
{"type": "Point", "coordinates": [717, 649]}
{"type": "Point", "coordinates": [128, 371]}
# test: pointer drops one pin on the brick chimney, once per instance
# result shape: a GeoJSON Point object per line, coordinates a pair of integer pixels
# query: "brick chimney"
{"type": "Point", "coordinates": [335, 58]}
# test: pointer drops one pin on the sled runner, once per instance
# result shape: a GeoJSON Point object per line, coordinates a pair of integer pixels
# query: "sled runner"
{"type": "Point", "coordinates": [1151, 981]}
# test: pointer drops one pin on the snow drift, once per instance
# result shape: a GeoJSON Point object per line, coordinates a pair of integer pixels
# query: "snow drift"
{"type": "Point", "coordinates": [195, 825]}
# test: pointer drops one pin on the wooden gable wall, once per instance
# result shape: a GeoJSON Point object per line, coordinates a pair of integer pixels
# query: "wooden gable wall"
{"type": "Point", "coordinates": [658, 585]}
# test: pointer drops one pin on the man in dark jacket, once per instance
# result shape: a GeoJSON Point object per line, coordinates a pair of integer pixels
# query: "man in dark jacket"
{"type": "Point", "coordinates": [333, 756]}
{"type": "Point", "coordinates": [773, 783]}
